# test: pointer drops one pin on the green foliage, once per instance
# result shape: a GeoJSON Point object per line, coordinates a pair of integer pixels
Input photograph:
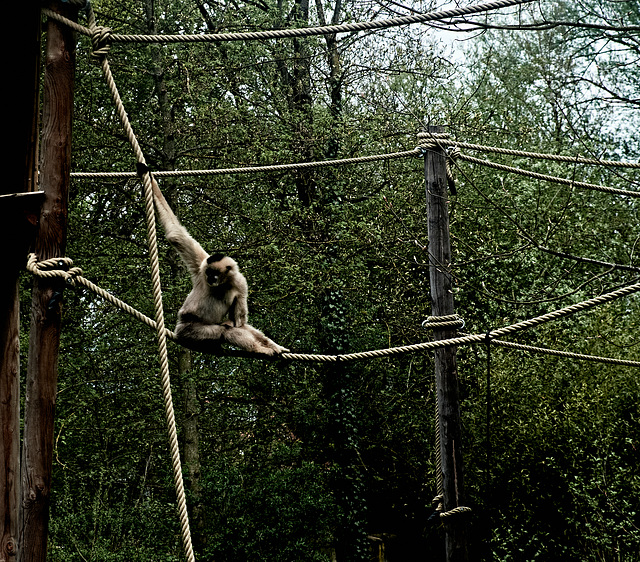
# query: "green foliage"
{"type": "Point", "coordinates": [268, 514]}
{"type": "Point", "coordinates": [296, 460]}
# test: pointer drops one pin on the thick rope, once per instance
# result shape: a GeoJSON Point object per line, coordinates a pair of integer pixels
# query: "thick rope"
{"type": "Point", "coordinates": [431, 139]}
{"type": "Point", "coordinates": [476, 338]}
{"type": "Point", "coordinates": [159, 311]}
{"type": "Point", "coordinates": [539, 155]}
{"type": "Point", "coordinates": [439, 499]}
{"type": "Point", "coordinates": [63, 267]}
{"type": "Point", "coordinates": [548, 178]}
{"type": "Point", "coordinates": [441, 139]}
{"type": "Point", "coordinates": [302, 31]}
{"type": "Point", "coordinates": [436, 322]}
{"type": "Point", "coordinates": [257, 169]}
{"type": "Point", "coordinates": [567, 354]}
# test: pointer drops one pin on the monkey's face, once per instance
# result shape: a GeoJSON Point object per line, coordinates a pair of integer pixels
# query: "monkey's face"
{"type": "Point", "coordinates": [218, 269]}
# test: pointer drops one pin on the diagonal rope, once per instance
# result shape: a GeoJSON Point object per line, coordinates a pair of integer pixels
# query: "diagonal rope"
{"type": "Point", "coordinates": [159, 311]}
{"type": "Point", "coordinates": [429, 140]}
{"type": "Point", "coordinates": [62, 267]}
{"type": "Point", "coordinates": [296, 32]}
{"type": "Point", "coordinates": [475, 338]}
{"type": "Point", "coordinates": [545, 177]}
{"type": "Point", "coordinates": [539, 155]}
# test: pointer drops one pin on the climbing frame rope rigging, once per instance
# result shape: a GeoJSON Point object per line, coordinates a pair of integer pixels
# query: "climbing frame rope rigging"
{"type": "Point", "coordinates": [102, 38]}
{"type": "Point", "coordinates": [63, 267]}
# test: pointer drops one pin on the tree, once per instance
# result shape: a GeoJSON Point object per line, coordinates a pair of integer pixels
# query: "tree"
{"type": "Point", "coordinates": [297, 459]}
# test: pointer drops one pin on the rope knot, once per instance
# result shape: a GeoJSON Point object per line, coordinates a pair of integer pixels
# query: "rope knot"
{"type": "Point", "coordinates": [452, 321]}
{"type": "Point", "coordinates": [100, 41]}
{"type": "Point", "coordinates": [455, 511]}
{"type": "Point", "coordinates": [453, 153]}
{"type": "Point", "coordinates": [432, 140]}
{"type": "Point", "coordinates": [438, 503]}
{"type": "Point", "coordinates": [54, 267]}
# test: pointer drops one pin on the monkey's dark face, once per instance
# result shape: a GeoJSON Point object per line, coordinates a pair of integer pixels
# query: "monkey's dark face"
{"type": "Point", "coordinates": [218, 269]}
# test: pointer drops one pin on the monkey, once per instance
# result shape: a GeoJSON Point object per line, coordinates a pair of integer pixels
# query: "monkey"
{"type": "Point", "coordinates": [215, 310]}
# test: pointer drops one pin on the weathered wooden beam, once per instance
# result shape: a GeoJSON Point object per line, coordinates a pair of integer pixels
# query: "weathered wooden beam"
{"type": "Point", "coordinates": [446, 368]}
{"type": "Point", "coordinates": [46, 305]}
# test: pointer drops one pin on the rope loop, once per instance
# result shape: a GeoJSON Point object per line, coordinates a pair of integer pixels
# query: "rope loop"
{"type": "Point", "coordinates": [438, 503]}
{"type": "Point", "coordinates": [460, 510]}
{"type": "Point", "coordinates": [54, 267]}
{"type": "Point", "coordinates": [431, 141]}
{"type": "Point", "coordinates": [453, 153]}
{"type": "Point", "coordinates": [453, 321]}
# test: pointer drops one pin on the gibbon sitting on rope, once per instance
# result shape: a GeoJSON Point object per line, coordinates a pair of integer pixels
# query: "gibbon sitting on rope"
{"type": "Point", "coordinates": [215, 310]}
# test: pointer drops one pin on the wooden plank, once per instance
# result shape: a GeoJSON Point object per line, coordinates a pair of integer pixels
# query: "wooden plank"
{"type": "Point", "coordinates": [446, 368]}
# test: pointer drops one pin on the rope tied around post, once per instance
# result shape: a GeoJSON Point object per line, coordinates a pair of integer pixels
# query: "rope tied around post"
{"type": "Point", "coordinates": [54, 267]}
{"type": "Point", "coordinates": [453, 321]}
{"type": "Point", "coordinates": [434, 140]}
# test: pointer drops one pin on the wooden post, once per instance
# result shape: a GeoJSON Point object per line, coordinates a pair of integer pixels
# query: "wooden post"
{"type": "Point", "coordinates": [18, 215]}
{"type": "Point", "coordinates": [46, 306]}
{"type": "Point", "coordinates": [446, 369]}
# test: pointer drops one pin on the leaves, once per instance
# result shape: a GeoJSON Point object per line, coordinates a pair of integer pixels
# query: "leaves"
{"type": "Point", "coordinates": [299, 458]}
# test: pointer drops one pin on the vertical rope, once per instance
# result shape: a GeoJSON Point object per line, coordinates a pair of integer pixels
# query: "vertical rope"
{"type": "Point", "coordinates": [439, 499]}
{"type": "Point", "coordinates": [159, 310]}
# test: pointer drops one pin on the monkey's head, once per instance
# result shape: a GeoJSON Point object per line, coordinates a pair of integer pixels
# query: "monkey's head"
{"type": "Point", "coordinates": [218, 269]}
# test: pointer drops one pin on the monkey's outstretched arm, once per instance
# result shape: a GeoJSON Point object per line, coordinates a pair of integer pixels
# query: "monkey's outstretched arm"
{"type": "Point", "coordinates": [189, 249]}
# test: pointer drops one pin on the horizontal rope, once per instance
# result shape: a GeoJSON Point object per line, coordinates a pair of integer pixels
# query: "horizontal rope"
{"type": "Point", "coordinates": [395, 155]}
{"type": "Point", "coordinates": [256, 169]}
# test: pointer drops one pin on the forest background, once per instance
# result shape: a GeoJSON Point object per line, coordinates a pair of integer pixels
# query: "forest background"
{"type": "Point", "coordinates": [293, 461]}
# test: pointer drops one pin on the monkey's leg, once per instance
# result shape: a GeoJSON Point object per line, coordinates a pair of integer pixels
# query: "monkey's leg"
{"type": "Point", "coordinates": [208, 338]}
{"type": "Point", "coordinates": [264, 341]}
{"type": "Point", "coordinates": [250, 339]}
{"type": "Point", "coordinates": [201, 337]}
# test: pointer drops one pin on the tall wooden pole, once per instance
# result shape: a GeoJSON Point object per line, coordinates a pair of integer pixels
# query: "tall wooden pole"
{"type": "Point", "coordinates": [446, 368]}
{"type": "Point", "coordinates": [46, 306]}
{"type": "Point", "coordinates": [18, 215]}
